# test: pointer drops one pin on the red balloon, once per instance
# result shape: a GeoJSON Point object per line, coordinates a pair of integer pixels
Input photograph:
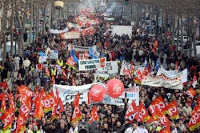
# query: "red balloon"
{"type": "Point", "coordinates": [115, 88]}
{"type": "Point", "coordinates": [97, 93]}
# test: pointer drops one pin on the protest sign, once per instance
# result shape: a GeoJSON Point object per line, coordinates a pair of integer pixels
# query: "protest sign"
{"type": "Point", "coordinates": [110, 68]}
{"type": "Point", "coordinates": [71, 35]}
{"type": "Point", "coordinates": [85, 65]}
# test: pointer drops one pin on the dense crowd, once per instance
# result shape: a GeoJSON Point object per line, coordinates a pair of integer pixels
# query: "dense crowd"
{"type": "Point", "coordinates": [23, 69]}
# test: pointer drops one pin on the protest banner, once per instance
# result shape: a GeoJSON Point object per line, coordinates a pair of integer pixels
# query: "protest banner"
{"type": "Point", "coordinates": [163, 81]}
{"type": "Point", "coordinates": [71, 35]}
{"type": "Point", "coordinates": [81, 48]}
{"type": "Point", "coordinates": [68, 93]}
{"type": "Point", "coordinates": [85, 65]}
{"type": "Point", "coordinates": [125, 68]}
{"type": "Point", "coordinates": [174, 74]}
{"type": "Point", "coordinates": [110, 68]}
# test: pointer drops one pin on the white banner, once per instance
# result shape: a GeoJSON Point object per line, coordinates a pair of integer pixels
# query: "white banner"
{"type": "Point", "coordinates": [68, 93]}
{"type": "Point", "coordinates": [72, 35]}
{"type": "Point", "coordinates": [85, 65]}
{"type": "Point", "coordinates": [174, 74]}
{"type": "Point", "coordinates": [58, 31]}
{"type": "Point", "coordinates": [81, 48]}
{"type": "Point", "coordinates": [125, 67]}
{"type": "Point", "coordinates": [163, 81]}
{"type": "Point", "coordinates": [110, 68]}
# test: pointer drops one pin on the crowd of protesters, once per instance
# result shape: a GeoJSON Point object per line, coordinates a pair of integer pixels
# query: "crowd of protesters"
{"type": "Point", "coordinates": [19, 70]}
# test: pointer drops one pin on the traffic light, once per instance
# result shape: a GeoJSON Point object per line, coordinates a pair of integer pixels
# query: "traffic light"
{"type": "Point", "coordinates": [126, 2]}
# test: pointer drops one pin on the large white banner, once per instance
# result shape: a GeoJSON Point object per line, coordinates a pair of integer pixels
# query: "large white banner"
{"type": "Point", "coordinates": [174, 74]}
{"type": "Point", "coordinates": [125, 68]}
{"type": "Point", "coordinates": [110, 68]}
{"type": "Point", "coordinates": [85, 65]}
{"type": "Point", "coordinates": [68, 93]}
{"type": "Point", "coordinates": [163, 81]}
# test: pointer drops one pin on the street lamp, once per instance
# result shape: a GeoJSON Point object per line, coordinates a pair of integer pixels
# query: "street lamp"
{"type": "Point", "coordinates": [59, 5]}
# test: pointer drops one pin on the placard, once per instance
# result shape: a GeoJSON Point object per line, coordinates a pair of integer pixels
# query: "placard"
{"type": "Point", "coordinates": [93, 64]}
{"type": "Point", "coordinates": [71, 35]}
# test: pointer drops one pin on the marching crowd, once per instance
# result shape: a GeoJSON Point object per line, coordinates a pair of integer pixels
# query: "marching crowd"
{"type": "Point", "coordinates": [18, 70]}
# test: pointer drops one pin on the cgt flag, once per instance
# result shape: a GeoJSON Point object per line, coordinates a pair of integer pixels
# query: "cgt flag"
{"type": "Point", "coordinates": [156, 106]}
{"type": "Point", "coordinates": [195, 119]}
{"type": "Point", "coordinates": [94, 115]}
{"type": "Point", "coordinates": [191, 92]}
{"type": "Point", "coordinates": [171, 110]}
{"type": "Point", "coordinates": [142, 114]}
{"type": "Point", "coordinates": [77, 113]}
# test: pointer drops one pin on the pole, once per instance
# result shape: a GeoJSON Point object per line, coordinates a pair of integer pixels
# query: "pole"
{"type": "Point", "coordinates": [16, 27]}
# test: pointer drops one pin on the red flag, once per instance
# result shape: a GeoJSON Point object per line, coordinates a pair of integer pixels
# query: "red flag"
{"type": "Point", "coordinates": [76, 100]}
{"type": "Point", "coordinates": [195, 119]}
{"type": "Point", "coordinates": [39, 66]}
{"type": "Point", "coordinates": [142, 113]}
{"type": "Point", "coordinates": [139, 77]}
{"type": "Point", "coordinates": [7, 119]}
{"type": "Point", "coordinates": [163, 119]}
{"type": "Point", "coordinates": [20, 124]}
{"type": "Point", "coordinates": [38, 113]}
{"type": "Point", "coordinates": [58, 107]}
{"type": "Point", "coordinates": [131, 112]}
{"type": "Point", "coordinates": [70, 62]}
{"type": "Point", "coordinates": [94, 115]}
{"type": "Point", "coordinates": [166, 130]}
{"type": "Point", "coordinates": [156, 106]}
{"type": "Point", "coordinates": [48, 102]}
{"type": "Point", "coordinates": [171, 110]}
{"type": "Point", "coordinates": [3, 103]}
{"type": "Point", "coordinates": [76, 114]}
{"type": "Point", "coordinates": [25, 110]}
{"type": "Point", "coordinates": [191, 92]}
{"type": "Point", "coordinates": [25, 91]}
